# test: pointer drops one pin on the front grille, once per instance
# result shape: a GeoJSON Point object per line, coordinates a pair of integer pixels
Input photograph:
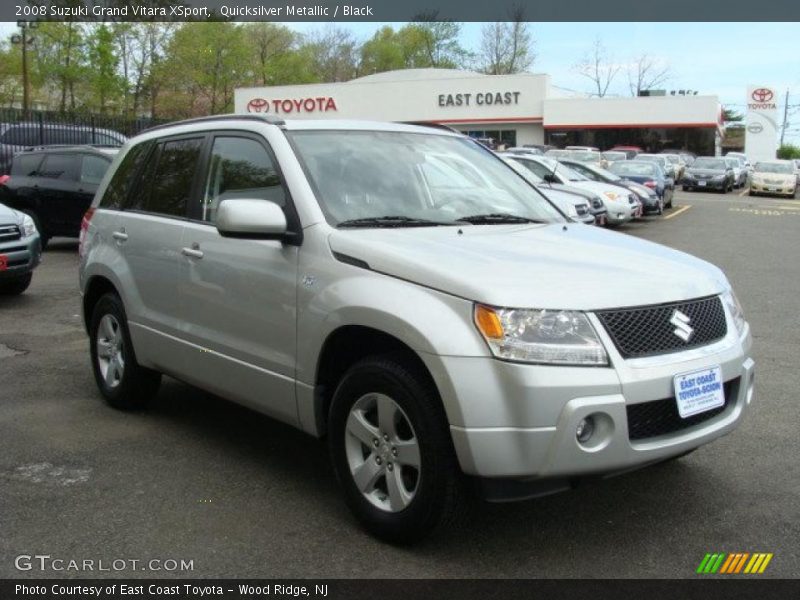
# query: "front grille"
{"type": "Point", "coordinates": [648, 330]}
{"type": "Point", "coordinates": [9, 233]}
{"type": "Point", "coordinates": [660, 417]}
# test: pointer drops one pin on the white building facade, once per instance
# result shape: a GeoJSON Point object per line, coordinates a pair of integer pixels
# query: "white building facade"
{"type": "Point", "coordinates": [514, 110]}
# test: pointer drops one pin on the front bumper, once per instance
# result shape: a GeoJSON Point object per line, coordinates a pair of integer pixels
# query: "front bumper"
{"type": "Point", "coordinates": [705, 184]}
{"type": "Point", "coordinates": [21, 256]}
{"type": "Point", "coordinates": [618, 212]}
{"type": "Point", "coordinates": [518, 422]}
{"type": "Point", "coordinates": [778, 189]}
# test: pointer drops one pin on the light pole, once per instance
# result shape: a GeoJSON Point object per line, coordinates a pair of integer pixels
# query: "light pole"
{"type": "Point", "coordinates": [24, 40]}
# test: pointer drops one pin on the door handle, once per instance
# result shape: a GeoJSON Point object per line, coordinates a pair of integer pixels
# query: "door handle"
{"type": "Point", "coordinates": [193, 252]}
{"type": "Point", "coordinates": [120, 236]}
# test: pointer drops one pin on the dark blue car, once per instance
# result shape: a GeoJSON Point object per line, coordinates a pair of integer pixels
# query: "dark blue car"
{"type": "Point", "coordinates": [649, 174]}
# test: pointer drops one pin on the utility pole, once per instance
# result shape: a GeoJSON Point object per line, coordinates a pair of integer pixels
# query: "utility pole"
{"type": "Point", "coordinates": [785, 117]}
{"type": "Point", "coordinates": [25, 40]}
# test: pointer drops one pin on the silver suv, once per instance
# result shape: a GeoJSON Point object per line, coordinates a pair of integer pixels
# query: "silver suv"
{"type": "Point", "coordinates": [404, 293]}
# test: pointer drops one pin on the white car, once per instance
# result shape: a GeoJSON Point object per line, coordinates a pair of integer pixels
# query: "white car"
{"type": "Point", "coordinates": [574, 206]}
{"type": "Point", "coordinates": [774, 177]}
{"type": "Point", "coordinates": [739, 173]}
{"type": "Point", "coordinates": [621, 206]}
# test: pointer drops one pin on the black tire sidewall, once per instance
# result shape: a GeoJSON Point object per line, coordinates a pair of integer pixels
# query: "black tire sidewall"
{"type": "Point", "coordinates": [416, 400]}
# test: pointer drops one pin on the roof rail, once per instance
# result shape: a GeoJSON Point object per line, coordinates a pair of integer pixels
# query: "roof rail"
{"type": "Point", "coordinates": [229, 117]}
{"type": "Point", "coordinates": [48, 146]}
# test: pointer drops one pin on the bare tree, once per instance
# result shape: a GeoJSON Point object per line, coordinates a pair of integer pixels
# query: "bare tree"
{"type": "Point", "coordinates": [647, 72]}
{"type": "Point", "coordinates": [334, 53]}
{"type": "Point", "coordinates": [507, 47]}
{"type": "Point", "coordinates": [598, 67]}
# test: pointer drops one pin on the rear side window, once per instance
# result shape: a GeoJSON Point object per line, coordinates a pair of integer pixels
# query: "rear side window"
{"type": "Point", "coordinates": [60, 166]}
{"type": "Point", "coordinates": [121, 185]}
{"type": "Point", "coordinates": [18, 135]}
{"type": "Point", "coordinates": [240, 168]}
{"type": "Point", "coordinates": [172, 180]}
{"type": "Point", "coordinates": [25, 165]}
{"type": "Point", "coordinates": [93, 168]}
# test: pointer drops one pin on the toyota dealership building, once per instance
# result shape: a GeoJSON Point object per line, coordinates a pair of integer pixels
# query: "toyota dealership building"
{"type": "Point", "coordinates": [511, 109]}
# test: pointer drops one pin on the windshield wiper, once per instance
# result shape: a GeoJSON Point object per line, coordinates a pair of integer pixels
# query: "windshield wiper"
{"type": "Point", "coordinates": [496, 218]}
{"type": "Point", "coordinates": [391, 221]}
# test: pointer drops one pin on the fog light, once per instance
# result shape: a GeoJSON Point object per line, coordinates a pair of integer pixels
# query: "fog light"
{"type": "Point", "coordinates": [585, 430]}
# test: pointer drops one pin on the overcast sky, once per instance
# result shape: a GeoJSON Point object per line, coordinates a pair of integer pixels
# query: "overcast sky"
{"type": "Point", "coordinates": [713, 58]}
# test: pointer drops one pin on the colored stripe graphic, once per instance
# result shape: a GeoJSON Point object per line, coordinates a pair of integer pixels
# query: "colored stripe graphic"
{"type": "Point", "coordinates": [734, 563]}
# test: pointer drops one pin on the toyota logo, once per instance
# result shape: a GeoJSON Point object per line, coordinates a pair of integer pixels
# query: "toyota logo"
{"type": "Point", "coordinates": [755, 128]}
{"type": "Point", "coordinates": [258, 105]}
{"type": "Point", "coordinates": [762, 95]}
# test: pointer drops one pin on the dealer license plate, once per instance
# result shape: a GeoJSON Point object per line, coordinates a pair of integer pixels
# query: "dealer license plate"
{"type": "Point", "coordinates": [701, 183]}
{"type": "Point", "coordinates": [3, 262]}
{"type": "Point", "coordinates": [699, 391]}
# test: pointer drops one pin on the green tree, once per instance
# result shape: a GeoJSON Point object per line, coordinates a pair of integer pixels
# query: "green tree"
{"type": "Point", "coordinates": [60, 60]}
{"type": "Point", "coordinates": [10, 74]}
{"type": "Point", "coordinates": [788, 151]}
{"type": "Point", "coordinates": [441, 41]}
{"type": "Point", "coordinates": [388, 50]}
{"type": "Point", "coordinates": [105, 83]}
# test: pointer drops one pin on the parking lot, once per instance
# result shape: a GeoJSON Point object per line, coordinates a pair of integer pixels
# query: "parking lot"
{"type": "Point", "coordinates": [197, 478]}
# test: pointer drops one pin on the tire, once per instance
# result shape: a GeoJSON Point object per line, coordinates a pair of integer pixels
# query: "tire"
{"type": "Point", "coordinates": [427, 497]}
{"type": "Point", "coordinates": [15, 287]}
{"type": "Point", "coordinates": [660, 207]}
{"type": "Point", "coordinates": [751, 193]}
{"type": "Point", "coordinates": [122, 382]}
{"type": "Point", "coordinates": [43, 237]}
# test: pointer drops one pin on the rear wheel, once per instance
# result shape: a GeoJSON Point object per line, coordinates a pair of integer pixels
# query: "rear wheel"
{"type": "Point", "coordinates": [122, 382]}
{"type": "Point", "coordinates": [391, 450]}
{"type": "Point", "coordinates": [15, 287]}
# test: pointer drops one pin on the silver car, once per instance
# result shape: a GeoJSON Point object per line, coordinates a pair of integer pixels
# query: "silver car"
{"type": "Point", "coordinates": [399, 291]}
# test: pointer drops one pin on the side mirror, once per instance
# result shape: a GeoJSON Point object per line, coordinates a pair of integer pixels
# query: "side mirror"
{"type": "Point", "coordinates": [550, 178]}
{"type": "Point", "coordinates": [250, 218]}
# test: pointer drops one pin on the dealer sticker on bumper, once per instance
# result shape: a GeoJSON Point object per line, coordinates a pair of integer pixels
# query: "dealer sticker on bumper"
{"type": "Point", "coordinates": [699, 391]}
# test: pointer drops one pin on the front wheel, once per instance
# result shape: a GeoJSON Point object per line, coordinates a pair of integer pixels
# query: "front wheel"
{"type": "Point", "coordinates": [391, 450]}
{"type": "Point", "coordinates": [122, 381]}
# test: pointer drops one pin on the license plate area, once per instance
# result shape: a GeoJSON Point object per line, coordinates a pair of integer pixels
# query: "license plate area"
{"type": "Point", "coordinates": [3, 262]}
{"type": "Point", "coordinates": [699, 391]}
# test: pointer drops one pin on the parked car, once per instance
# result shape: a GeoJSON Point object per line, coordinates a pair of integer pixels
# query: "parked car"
{"type": "Point", "coordinates": [15, 137]}
{"type": "Point", "coordinates": [678, 165]}
{"type": "Point", "coordinates": [596, 206]}
{"type": "Point", "coordinates": [55, 186]}
{"type": "Point", "coordinates": [797, 169]}
{"type": "Point", "coordinates": [774, 177]}
{"type": "Point", "coordinates": [708, 172]}
{"type": "Point", "coordinates": [612, 156]}
{"type": "Point", "coordinates": [588, 157]}
{"type": "Point", "coordinates": [556, 153]}
{"type": "Point", "coordinates": [575, 206]}
{"type": "Point", "coordinates": [630, 151]}
{"type": "Point", "coordinates": [662, 161]}
{"type": "Point", "coordinates": [650, 200]}
{"type": "Point", "coordinates": [583, 148]}
{"type": "Point", "coordinates": [739, 172]}
{"type": "Point", "coordinates": [621, 206]}
{"type": "Point", "coordinates": [650, 175]}
{"type": "Point", "coordinates": [524, 150]}
{"type": "Point", "coordinates": [20, 250]}
{"type": "Point", "coordinates": [289, 266]}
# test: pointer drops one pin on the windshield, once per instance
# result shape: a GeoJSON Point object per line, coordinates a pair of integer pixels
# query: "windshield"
{"type": "Point", "coordinates": [405, 177]}
{"type": "Point", "coordinates": [615, 156]}
{"type": "Point", "coordinates": [766, 167]}
{"type": "Point", "coordinates": [583, 156]}
{"type": "Point", "coordinates": [653, 158]}
{"type": "Point", "coordinates": [556, 153]}
{"type": "Point", "coordinates": [709, 163]}
{"type": "Point", "coordinates": [633, 169]}
{"type": "Point", "coordinates": [732, 163]}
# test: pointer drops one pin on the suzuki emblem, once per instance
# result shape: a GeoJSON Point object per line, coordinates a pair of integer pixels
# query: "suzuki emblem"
{"type": "Point", "coordinates": [682, 328]}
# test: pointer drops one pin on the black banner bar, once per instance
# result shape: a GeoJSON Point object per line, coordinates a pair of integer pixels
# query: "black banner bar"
{"type": "Point", "coordinates": [400, 10]}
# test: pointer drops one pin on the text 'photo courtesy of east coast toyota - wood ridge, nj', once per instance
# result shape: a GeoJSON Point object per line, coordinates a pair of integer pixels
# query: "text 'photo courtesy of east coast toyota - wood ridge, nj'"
{"type": "Point", "coordinates": [341, 300]}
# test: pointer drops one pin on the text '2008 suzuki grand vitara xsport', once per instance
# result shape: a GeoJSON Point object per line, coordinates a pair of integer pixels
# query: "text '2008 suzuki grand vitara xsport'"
{"type": "Point", "coordinates": [403, 292]}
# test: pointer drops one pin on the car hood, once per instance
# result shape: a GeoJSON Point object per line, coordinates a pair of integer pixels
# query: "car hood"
{"type": "Point", "coordinates": [788, 177]}
{"type": "Point", "coordinates": [9, 215]}
{"type": "Point", "coordinates": [601, 188]}
{"type": "Point", "coordinates": [537, 266]}
{"type": "Point", "coordinates": [569, 189]}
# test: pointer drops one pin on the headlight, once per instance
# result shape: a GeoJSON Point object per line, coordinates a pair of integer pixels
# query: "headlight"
{"type": "Point", "coordinates": [730, 300]}
{"type": "Point", "coordinates": [611, 195]}
{"type": "Point", "coordinates": [561, 337]}
{"type": "Point", "coordinates": [28, 226]}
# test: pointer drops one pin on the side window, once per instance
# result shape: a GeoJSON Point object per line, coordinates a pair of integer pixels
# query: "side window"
{"type": "Point", "coordinates": [60, 166]}
{"type": "Point", "coordinates": [17, 135]}
{"type": "Point", "coordinates": [173, 177]}
{"type": "Point", "coordinates": [240, 168]}
{"type": "Point", "coordinates": [119, 188]}
{"type": "Point", "coordinates": [26, 165]}
{"type": "Point", "coordinates": [536, 167]}
{"type": "Point", "coordinates": [93, 168]}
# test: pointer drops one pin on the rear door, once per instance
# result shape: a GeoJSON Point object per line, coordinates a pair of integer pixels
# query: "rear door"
{"type": "Point", "coordinates": [148, 236]}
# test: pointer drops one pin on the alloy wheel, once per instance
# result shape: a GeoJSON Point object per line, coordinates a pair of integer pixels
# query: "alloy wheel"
{"type": "Point", "coordinates": [110, 351]}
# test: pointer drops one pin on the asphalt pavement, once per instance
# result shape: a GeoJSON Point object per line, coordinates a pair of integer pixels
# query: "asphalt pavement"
{"type": "Point", "coordinates": [199, 479]}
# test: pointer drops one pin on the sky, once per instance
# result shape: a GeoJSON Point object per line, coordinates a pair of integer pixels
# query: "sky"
{"type": "Point", "coordinates": [720, 59]}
